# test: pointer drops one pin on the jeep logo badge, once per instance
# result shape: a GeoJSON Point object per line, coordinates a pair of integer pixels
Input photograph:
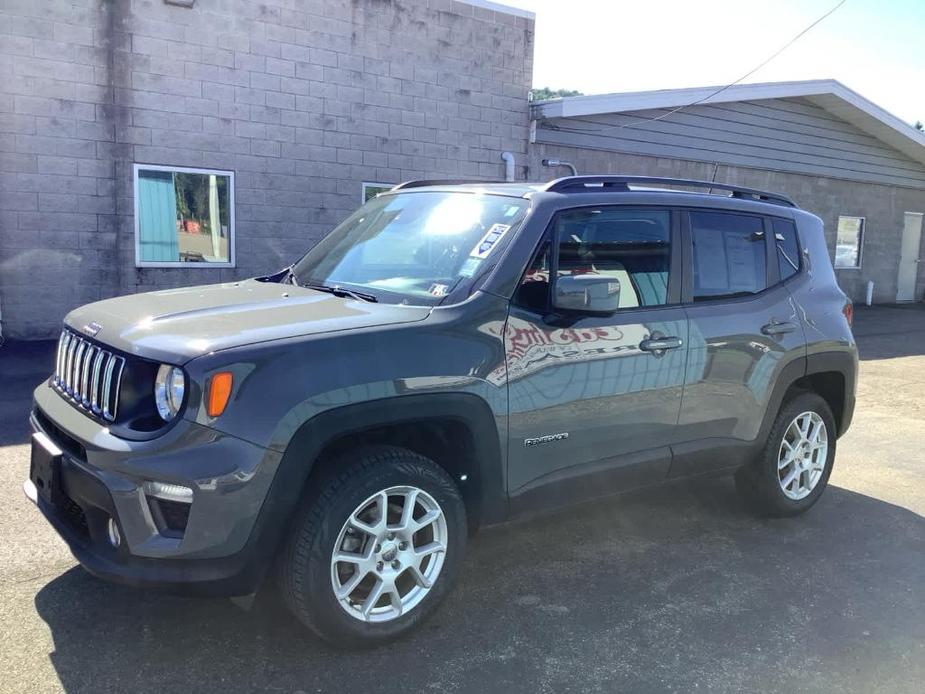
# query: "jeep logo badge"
{"type": "Point", "coordinates": [92, 328]}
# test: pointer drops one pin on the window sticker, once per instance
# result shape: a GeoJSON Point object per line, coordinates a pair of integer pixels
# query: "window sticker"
{"type": "Point", "coordinates": [469, 266]}
{"type": "Point", "coordinates": [438, 289]}
{"type": "Point", "coordinates": [492, 236]}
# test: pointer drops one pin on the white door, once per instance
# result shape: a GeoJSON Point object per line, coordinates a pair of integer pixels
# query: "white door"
{"type": "Point", "coordinates": [909, 257]}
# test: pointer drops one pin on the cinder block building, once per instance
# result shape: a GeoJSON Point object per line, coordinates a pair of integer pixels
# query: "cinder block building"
{"type": "Point", "coordinates": [149, 144]}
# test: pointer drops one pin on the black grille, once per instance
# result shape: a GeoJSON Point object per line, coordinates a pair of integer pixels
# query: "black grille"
{"type": "Point", "coordinates": [59, 436]}
{"type": "Point", "coordinates": [170, 517]}
{"type": "Point", "coordinates": [74, 515]}
{"type": "Point", "coordinates": [88, 375]}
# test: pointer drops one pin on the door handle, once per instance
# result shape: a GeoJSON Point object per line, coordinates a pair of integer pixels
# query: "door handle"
{"type": "Point", "coordinates": [778, 327]}
{"type": "Point", "coordinates": [656, 343]}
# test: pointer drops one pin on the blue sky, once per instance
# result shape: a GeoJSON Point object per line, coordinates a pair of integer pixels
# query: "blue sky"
{"type": "Point", "coordinates": [876, 48]}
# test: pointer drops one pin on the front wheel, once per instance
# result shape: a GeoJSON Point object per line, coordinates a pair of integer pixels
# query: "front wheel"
{"type": "Point", "coordinates": [375, 549]}
{"type": "Point", "coordinates": [794, 467]}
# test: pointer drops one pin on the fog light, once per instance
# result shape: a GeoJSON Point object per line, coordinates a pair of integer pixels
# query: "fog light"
{"type": "Point", "coordinates": [169, 492]}
{"type": "Point", "coordinates": [115, 538]}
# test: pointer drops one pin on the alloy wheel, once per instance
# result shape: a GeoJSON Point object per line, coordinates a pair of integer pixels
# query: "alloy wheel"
{"type": "Point", "coordinates": [802, 456]}
{"type": "Point", "coordinates": [389, 554]}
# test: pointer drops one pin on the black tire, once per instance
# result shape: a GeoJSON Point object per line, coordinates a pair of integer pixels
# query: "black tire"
{"type": "Point", "coordinates": [304, 570]}
{"type": "Point", "coordinates": [758, 482]}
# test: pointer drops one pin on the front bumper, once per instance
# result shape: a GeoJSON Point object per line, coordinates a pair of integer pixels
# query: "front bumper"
{"type": "Point", "coordinates": [101, 477]}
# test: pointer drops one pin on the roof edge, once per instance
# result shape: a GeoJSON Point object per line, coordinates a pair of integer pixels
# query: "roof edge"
{"type": "Point", "coordinates": [900, 135]}
{"type": "Point", "coordinates": [499, 7]}
{"type": "Point", "coordinates": [617, 102]}
{"type": "Point", "coordinates": [901, 127]}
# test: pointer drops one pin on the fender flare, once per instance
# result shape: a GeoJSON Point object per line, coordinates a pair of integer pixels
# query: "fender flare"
{"type": "Point", "coordinates": [842, 362]}
{"type": "Point", "coordinates": [310, 439]}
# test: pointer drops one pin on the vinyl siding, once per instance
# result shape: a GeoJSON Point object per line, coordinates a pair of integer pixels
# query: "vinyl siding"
{"type": "Point", "coordinates": [791, 135]}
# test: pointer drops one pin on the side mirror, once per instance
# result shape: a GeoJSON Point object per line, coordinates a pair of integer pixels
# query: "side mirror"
{"type": "Point", "coordinates": [588, 293]}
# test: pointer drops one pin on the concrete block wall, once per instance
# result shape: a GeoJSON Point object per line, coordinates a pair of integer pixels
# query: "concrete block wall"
{"type": "Point", "coordinates": [58, 227]}
{"type": "Point", "coordinates": [882, 206]}
{"type": "Point", "coordinates": [302, 100]}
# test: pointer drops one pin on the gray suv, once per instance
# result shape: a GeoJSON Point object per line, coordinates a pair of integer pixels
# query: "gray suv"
{"type": "Point", "coordinates": [452, 355]}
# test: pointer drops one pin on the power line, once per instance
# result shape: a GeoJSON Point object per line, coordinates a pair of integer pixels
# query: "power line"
{"type": "Point", "coordinates": [732, 84]}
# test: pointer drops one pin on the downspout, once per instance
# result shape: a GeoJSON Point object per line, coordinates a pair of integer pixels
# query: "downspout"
{"type": "Point", "coordinates": [508, 158]}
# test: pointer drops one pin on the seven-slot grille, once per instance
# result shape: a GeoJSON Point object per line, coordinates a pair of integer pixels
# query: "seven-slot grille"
{"type": "Point", "coordinates": [88, 375]}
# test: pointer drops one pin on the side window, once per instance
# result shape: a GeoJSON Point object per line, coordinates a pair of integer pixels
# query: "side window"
{"type": "Point", "coordinates": [730, 256]}
{"type": "Point", "coordinates": [787, 247]}
{"type": "Point", "coordinates": [631, 246]}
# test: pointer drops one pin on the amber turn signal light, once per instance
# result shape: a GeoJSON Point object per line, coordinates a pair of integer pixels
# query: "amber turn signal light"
{"type": "Point", "coordinates": [219, 392]}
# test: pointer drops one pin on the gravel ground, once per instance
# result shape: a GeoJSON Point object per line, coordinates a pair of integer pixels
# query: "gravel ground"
{"type": "Point", "coordinates": [679, 590]}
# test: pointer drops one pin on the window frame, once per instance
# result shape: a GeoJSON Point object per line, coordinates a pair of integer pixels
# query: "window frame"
{"type": "Point", "coordinates": [370, 184]}
{"type": "Point", "coordinates": [862, 234]}
{"type": "Point", "coordinates": [772, 274]}
{"type": "Point", "coordinates": [801, 265]}
{"type": "Point", "coordinates": [675, 259]}
{"type": "Point", "coordinates": [139, 263]}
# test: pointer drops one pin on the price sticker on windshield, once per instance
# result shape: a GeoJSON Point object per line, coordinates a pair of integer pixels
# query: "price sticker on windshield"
{"type": "Point", "coordinates": [489, 240]}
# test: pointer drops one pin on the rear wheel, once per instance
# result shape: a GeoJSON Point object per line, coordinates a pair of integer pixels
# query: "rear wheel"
{"type": "Point", "coordinates": [375, 549]}
{"type": "Point", "coordinates": [794, 467]}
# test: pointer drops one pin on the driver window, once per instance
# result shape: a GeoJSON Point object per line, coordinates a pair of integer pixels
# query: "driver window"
{"type": "Point", "coordinates": [631, 246]}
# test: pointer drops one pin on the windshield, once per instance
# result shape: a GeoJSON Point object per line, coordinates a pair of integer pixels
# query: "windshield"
{"type": "Point", "coordinates": [412, 248]}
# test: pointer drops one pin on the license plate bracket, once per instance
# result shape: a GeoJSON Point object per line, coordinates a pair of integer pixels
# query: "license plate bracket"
{"type": "Point", "coordinates": [45, 467]}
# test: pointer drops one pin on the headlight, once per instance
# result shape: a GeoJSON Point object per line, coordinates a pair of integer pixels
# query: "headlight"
{"type": "Point", "coordinates": [168, 391]}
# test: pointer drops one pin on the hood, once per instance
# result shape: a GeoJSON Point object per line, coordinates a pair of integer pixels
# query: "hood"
{"type": "Point", "coordinates": [178, 324]}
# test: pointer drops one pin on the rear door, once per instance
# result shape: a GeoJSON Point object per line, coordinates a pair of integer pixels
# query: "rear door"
{"type": "Point", "coordinates": [594, 400]}
{"type": "Point", "coordinates": [744, 330]}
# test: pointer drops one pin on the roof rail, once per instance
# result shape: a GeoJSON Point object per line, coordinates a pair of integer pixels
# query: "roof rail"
{"type": "Point", "coordinates": [623, 183]}
{"type": "Point", "coordinates": [438, 182]}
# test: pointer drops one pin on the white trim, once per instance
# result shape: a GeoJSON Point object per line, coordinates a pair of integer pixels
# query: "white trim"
{"type": "Point", "coordinates": [831, 95]}
{"type": "Point", "coordinates": [860, 242]}
{"type": "Point", "coordinates": [498, 7]}
{"type": "Point", "coordinates": [136, 167]}
{"type": "Point", "coordinates": [372, 184]}
{"type": "Point", "coordinates": [902, 241]}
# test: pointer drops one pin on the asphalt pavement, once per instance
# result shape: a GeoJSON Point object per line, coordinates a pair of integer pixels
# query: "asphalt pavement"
{"type": "Point", "coordinates": [679, 590]}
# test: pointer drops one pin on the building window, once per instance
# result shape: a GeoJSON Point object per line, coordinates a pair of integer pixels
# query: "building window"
{"type": "Point", "coordinates": [183, 217]}
{"type": "Point", "coordinates": [371, 190]}
{"type": "Point", "coordinates": [849, 242]}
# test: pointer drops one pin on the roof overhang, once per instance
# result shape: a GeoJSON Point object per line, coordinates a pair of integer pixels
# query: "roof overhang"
{"type": "Point", "coordinates": [830, 95]}
{"type": "Point", "coordinates": [499, 7]}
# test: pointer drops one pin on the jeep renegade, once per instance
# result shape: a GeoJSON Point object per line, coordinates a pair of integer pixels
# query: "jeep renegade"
{"type": "Point", "coordinates": [450, 356]}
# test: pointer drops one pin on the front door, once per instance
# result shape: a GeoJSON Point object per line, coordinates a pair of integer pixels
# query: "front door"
{"type": "Point", "coordinates": [594, 399]}
{"type": "Point", "coordinates": [909, 257]}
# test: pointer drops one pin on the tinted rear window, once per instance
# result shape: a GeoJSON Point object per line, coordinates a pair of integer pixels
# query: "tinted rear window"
{"type": "Point", "coordinates": [730, 257]}
{"type": "Point", "coordinates": [787, 247]}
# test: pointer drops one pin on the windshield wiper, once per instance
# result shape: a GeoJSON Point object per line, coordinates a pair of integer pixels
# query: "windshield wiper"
{"type": "Point", "coordinates": [287, 274]}
{"type": "Point", "coordinates": [337, 290]}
